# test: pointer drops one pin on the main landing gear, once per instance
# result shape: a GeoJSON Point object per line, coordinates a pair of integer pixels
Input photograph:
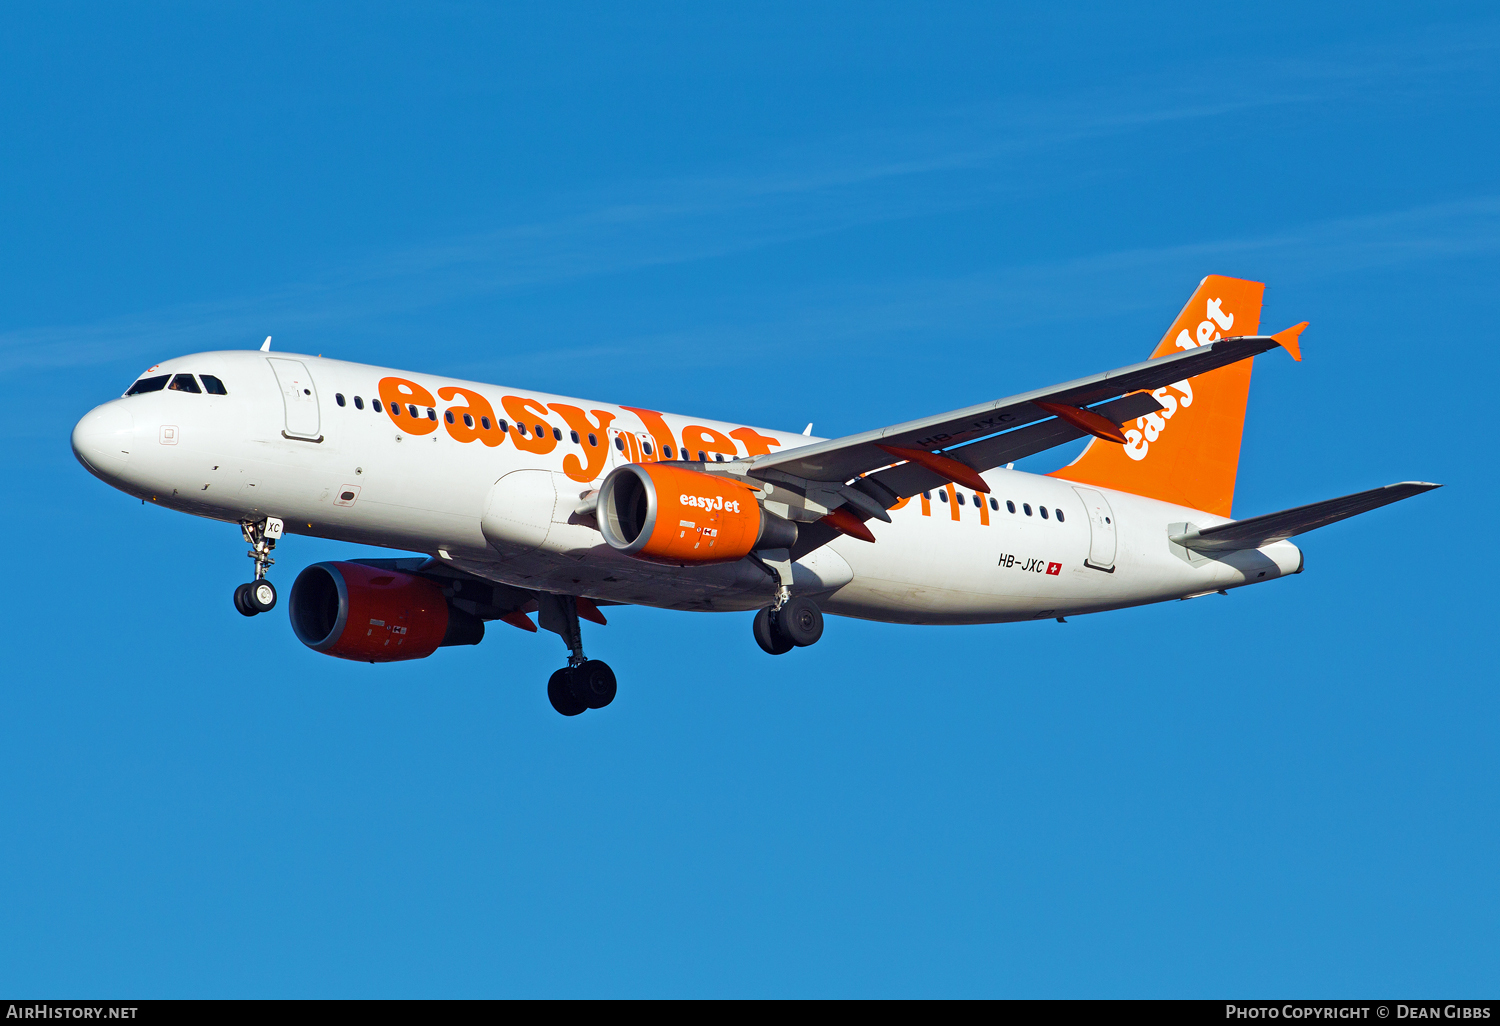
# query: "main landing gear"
{"type": "Point", "coordinates": [259, 595]}
{"type": "Point", "coordinates": [584, 683]}
{"type": "Point", "coordinates": [796, 624]}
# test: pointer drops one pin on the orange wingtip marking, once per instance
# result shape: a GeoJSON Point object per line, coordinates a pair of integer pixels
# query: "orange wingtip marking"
{"type": "Point", "coordinates": [589, 611]}
{"type": "Point", "coordinates": [1288, 340]}
{"type": "Point", "coordinates": [1086, 420]}
{"type": "Point", "coordinates": [950, 468]}
{"type": "Point", "coordinates": [847, 523]}
{"type": "Point", "coordinates": [521, 620]}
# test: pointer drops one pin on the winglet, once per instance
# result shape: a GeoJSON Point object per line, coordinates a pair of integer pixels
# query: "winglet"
{"type": "Point", "coordinates": [265, 346]}
{"type": "Point", "coordinates": [1288, 340]}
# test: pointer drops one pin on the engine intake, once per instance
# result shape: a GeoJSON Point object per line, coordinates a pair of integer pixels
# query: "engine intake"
{"type": "Point", "coordinates": [360, 612]}
{"type": "Point", "coordinates": [666, 514]}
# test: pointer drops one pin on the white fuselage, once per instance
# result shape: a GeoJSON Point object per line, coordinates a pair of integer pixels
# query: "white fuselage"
{"type": "Point", "coordinates": [509, 515]}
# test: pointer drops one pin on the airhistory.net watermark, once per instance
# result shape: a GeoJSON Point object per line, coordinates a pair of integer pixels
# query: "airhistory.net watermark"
{"type": "Point", "coordinates": [44, 1010]}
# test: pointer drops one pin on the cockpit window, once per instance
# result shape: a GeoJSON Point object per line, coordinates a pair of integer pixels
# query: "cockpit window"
{"type": "Point", "coordinates": [212, 385]}
{"type": "Point", "coordinates": [155, 384]}
{"type": "Point", "coordinates": [185, 383]}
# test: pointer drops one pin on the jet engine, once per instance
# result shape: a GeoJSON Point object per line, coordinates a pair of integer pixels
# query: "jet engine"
{"type": "Point", "coordinates": [666, 514]}
{"type": "Point", "coordinates": [372, 615]}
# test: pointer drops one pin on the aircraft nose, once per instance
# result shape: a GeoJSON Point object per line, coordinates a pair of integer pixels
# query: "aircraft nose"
{"type": "Point", "coordinates": [103, 438]}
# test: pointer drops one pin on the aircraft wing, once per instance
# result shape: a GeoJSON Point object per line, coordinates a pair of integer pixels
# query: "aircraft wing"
{"type": "Point", "coordinates": [841, 460]}
{"type": "Point", "coordinates": [1254, 532]}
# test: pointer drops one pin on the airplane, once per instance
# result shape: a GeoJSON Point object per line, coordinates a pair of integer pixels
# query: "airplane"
{"type": "Point", "coordinates": [523, 502]}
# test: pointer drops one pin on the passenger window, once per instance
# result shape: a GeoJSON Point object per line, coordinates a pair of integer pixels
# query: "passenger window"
{"type": "Point", "coordinates": [338, 397]}
{"type": "Point", "coordinates": [212, 385]}
{"type": "Point", "coordinates": [667, 451]}
{"type": "Point", "coordinates": [1043, 511]}
{"type": "Point", "coordinates": [412, 409]}
{"type": "Point", "coordinates": [942, 494]}
{"type": "Point", "coordinates": [375, 405]}
{"type": "Point", "coordinates": [1027, 507]}
{"type": "Point", "coordinates": [619, 443]}
{"type": "Point", "coordinates": [185, 383]}
{"type": "Point", "coordinates": [155, 384]}
{"type": "Point", "coordinates": [593, 440]}
{"type": "Point", "coordinates": [557, 434]}
{"type": "Point", "coordinates": [395, 408]}
{"type": "Point", "coordinates": [448, 416]}
{"type": "Point", "coordinates": [1059, 515]}
{"type": "Point", "coordinates": [647, 446]}
{"type": "Point", "coordinates": [469, 420]}
{"type": "Point", "coordinates": [359, 403]}
{"type": "Point", "coordinates": [484, 422]}
{"type": "Point", "coordinates": [431, 413]}
{"type": "Point", "coordinates": [573, 435]}
{"type": "Point", "coordinates": [958, 497]}
{"type": "Point", "coordinates": [994, 504]}
{"type": "Point", "coordinates": [541, 431]}
{"type": "Point", "coordinates": [927, 495]}
{"type": "Point", "coordinates": [504, 426]}
{"type": "Point", "coordinates": [701, 457]}
{"type": "Point", "coordinates": [718, 457]}
{"type": "Point", "coordinates": [1010, 505]}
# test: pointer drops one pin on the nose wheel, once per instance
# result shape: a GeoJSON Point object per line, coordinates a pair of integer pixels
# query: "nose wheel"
{"type": "Point", "coordinates": [255, 597]}
{"type": "Point", "coordinates": [259, 595]}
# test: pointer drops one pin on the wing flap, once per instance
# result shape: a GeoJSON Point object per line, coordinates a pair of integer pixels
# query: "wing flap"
{"type": "Point", "coordinates": [1254, 532]}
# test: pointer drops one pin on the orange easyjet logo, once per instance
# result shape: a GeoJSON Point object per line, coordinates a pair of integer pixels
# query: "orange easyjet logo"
{"type": "Point", "coordinates": [1150, 427]}
{"type": "Point", "coordinates": [528, 424]}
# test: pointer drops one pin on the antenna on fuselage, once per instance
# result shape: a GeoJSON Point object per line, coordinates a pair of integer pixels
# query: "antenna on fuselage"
{"type": "Point", "coordinates": [807, 430]}
{"type": "Point", "coordinates": [265, 346]}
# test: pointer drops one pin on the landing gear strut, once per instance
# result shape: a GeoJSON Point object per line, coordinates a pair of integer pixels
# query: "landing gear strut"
{"type": "Point", "coordinates": [259, 595]}
{"type": "Point", "coordinates": [584, 683]}
{"type": "Point", "coordinates": [797, 624]}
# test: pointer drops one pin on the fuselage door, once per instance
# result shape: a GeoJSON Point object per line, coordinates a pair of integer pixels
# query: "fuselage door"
{"type": "Point", "coordinates": [301, 398]}
{"type": "Point", "coordinates": [1101, 530]}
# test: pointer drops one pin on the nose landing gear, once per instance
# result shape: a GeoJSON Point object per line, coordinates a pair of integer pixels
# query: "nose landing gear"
{"type": "Point", "coordinates": [259, 595]}
{"type": "Point", "coordinates": [584, 683]}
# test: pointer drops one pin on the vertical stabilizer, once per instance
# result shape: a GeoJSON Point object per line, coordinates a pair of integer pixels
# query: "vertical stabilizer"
{"type": "Point", "coordinates": [1189, 452]}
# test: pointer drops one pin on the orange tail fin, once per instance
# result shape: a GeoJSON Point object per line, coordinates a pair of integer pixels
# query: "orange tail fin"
{"type": "Point", "coordinates": [1189, 452]}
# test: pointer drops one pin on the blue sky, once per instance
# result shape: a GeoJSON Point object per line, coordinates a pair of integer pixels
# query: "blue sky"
{"type": "Point", "coordinates": [849, 215]}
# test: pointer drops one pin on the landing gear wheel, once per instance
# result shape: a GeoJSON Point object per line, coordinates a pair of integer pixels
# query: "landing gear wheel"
{"type": "Point", "coordinates": [594, 684]}
{"type": "Point", "coordinates": [560, 693]}
{"type": "Point", "coordinates": [800, 621]}
{"type": "Point", "coordinates": [768, 635]}
{"type": "Point", "coordinates": [242, 601]}
{"type": "Point", "coordinates": [260, 595]}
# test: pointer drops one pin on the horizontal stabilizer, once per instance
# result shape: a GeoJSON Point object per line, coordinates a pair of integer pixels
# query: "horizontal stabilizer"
{"type": "Point", "coordinates": [1262, 530]}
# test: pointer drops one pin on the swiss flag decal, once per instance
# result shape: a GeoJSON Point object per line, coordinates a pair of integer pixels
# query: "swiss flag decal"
{"type": "Point", "coordinates": [1053, 569]}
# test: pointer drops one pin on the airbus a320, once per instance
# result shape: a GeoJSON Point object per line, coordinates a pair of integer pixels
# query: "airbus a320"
{"type": "Point", "coordinates": [523, 503]}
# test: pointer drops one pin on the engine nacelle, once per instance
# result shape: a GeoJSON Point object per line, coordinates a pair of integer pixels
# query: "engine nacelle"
{"type": "Point", "coordinates": [372, 615]}
{"type": "Point", "coordinates": [666, 514]}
